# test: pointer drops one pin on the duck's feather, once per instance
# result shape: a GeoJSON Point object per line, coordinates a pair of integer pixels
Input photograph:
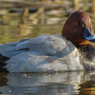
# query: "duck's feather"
{"type": "Point", "coordinates": [87, 56]}
{"type": "Point", "coordinates": [41, 54]}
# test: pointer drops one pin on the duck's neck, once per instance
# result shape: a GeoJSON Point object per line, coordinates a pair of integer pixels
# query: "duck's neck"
{"type": "Point", "coordinates": [81, 42]}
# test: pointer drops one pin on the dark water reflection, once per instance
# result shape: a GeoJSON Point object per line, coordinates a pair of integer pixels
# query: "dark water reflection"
{"type": "Point", "coordinates": [65, 83]}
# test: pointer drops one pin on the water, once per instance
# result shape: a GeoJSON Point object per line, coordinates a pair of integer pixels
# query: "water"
{"type": "Point", "coordinates": [12, 33]}
{"type": "Point", "coordinates": [63, 83]}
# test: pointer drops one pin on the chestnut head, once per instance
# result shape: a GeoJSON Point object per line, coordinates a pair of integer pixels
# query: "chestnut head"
{"type": "Point", "coordinates": [78, 29]}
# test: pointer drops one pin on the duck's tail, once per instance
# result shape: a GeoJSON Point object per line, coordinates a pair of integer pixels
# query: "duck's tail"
{"type": "Point", "coordinates": [2, 63]}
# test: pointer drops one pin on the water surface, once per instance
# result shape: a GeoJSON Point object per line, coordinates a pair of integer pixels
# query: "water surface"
{"type": "Point", "coordinates": [12, 33]}
{"type": "Point", "coordinates": [63, 83]}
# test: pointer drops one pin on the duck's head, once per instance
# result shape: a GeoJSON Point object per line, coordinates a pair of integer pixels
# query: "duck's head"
{"type": "Point", "coordinates": [78, 29]}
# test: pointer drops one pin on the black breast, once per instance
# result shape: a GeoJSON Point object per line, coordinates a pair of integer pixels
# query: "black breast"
{"type": "Point", "coordinates": [87, 55]}
{"type": "Point", "coordinates": [88, 51]}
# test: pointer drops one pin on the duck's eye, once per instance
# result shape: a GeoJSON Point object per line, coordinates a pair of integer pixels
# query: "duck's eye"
{"type": "Point", "coordinates": [76, 23]}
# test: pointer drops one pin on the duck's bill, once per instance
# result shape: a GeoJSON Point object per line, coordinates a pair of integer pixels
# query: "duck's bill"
{"type": "Point", "coordinates": [88, 34]}
{"type": "Point", "coordinates": [91, 38]}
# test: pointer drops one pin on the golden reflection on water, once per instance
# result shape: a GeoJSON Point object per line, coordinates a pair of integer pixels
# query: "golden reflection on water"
{"type": "Point", "coordinates": [11, 33]}
{"type": "Point", "coordinates": [87, 88]}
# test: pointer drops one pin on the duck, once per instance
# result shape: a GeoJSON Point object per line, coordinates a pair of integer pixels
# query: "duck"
{"type": "Point", "coordinates": [53, 53]}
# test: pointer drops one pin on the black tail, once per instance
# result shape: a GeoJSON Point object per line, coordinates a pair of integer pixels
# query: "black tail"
{"type": "Point", "coordinates": [2, 63]}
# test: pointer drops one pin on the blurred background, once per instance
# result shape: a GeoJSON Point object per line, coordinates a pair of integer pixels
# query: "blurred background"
{"type": "Point", "coordinates": [22, 19]}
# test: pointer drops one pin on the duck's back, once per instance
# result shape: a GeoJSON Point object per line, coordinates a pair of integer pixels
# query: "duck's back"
{"type": "Point", "coordinates": [41, 54]}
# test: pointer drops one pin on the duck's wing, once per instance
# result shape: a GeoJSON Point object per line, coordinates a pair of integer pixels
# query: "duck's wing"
{"type": "Point", "coordinates": [11, 49]}
{"type": "Point", "coordinates": [38, 54]}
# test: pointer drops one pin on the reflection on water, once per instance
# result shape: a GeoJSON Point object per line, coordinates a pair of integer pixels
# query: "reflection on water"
{"type": "Point", "coordinates": [11, 33]}
{"type": "Point", "coordinates": [65, 83]}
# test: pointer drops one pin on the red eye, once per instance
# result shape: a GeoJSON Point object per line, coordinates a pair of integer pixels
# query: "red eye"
{"type": "Point", "coordinates": [76, 23]}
